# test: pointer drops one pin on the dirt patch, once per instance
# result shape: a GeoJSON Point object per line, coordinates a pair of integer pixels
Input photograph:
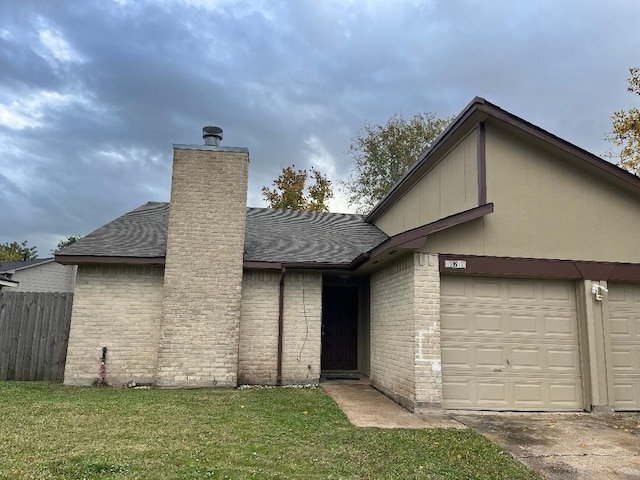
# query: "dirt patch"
{"type": "Point", "coordinates": [552, 470]}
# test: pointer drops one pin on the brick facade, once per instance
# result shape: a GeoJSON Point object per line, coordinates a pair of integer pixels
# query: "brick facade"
{"type": "Point", "coordinates": [259, 328]}
{"type": "Point", "coordinates": [405, 331]}
{"type": "Point", "coordinates": [199, 337]}
{"type": "Point", "coordinates": [118, 307]}
{"type": "Point", "coordinates": [302, 324]}
{"type": "Point", "coordinates": [392, 332]}
{"type": "Point", "coordinates": [426, 308]}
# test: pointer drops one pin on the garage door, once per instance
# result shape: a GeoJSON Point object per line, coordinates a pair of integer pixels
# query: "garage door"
{"type": "Point", "coordinates": [624, 327]}
{"type": "Point", "coordinates": [509, 344]}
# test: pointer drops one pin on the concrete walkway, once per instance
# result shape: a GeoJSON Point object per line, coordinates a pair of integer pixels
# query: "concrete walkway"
{"type": "Point", "coordinates": [367, 407]}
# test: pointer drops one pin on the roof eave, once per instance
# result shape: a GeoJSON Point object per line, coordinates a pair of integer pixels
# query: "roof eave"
{"type": "Point", "coordinates": [412, 239]}
{"type": "Point", "coordinates": [97, 259]}
{"type": "Point", "coordinates": [257, 265]}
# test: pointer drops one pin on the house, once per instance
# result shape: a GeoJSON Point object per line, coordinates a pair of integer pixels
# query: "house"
{"type": "Point", "coordinates": [39, 275]}
{"type": "Point", "coordinates": [502, 272]}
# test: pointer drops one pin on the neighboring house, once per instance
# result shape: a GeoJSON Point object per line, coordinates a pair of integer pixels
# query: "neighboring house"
{"type": "Point", "coordinates": [40, 275]}
{"type": "Point", "coordinates": [5, 281]}
{"type": "Point", "coordinates": [502, 272]}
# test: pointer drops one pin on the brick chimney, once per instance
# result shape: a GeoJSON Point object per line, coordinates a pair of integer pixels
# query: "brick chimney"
{"type": "Point", "coordinates": [203, 272]}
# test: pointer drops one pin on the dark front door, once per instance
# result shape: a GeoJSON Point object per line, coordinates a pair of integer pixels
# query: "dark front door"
{"type": "Point", "coordinates": [339, 328]}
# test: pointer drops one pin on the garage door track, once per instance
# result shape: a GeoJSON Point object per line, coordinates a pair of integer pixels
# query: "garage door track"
{"type": "Point", "coordinates": [567, 446]}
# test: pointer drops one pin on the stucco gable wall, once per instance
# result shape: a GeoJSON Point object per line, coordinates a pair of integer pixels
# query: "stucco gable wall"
{"type": "Point", "coordinates": [48, 277]}
{"type": "Point", "coordinates": [451, 186]}
{"type": "Point", "coordinates": [546, 205]}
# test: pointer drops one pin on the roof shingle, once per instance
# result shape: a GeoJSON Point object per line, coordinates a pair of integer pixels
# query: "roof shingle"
{"type": "Point", "coordinates": [271, 235]}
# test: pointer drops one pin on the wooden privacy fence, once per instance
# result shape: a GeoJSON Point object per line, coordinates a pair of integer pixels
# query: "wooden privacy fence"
{"type": "Point", "coordinates": [34, 333]}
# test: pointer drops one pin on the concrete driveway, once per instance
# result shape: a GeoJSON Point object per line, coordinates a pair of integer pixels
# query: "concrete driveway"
{"type": "Point", "coordinates": [566, 446]}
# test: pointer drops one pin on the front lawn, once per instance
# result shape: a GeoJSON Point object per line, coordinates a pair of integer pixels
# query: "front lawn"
{"type": "Point", "coordinates": [51, 431]}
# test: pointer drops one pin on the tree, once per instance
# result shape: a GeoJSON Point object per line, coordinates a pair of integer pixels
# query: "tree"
{"type": "Point", "coordinates": [626, 130]}
{"type": "Point", "coordinates": [383, 153]}
{"type": "Point", "coordinates": [65, 242]}
{"type": "Point", "coordinates": [289, 191]}
{"type": "Point", "coordinates": [17, 252]}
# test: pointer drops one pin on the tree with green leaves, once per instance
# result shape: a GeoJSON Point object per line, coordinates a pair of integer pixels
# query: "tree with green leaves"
{"type": "Point", "coordinates": [384, 152]}
{"type": "Point", "coordinates": [65, 242]}
{"type": "Point", "coordinates": [626, 130]}
{"type": "Point", "coordinates": [17, 252]}
{"type": "Point", "coordinates": [291, 192]}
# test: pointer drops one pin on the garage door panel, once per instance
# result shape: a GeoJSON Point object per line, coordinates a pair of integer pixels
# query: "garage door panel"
{"type": "Point", "coordinates": [624, 327]}
{"type": "Point", "coordinates": [517, 347]}
{"type": "Point", "coordinates": [626, 393]}
{"type": "Point", "coordinates": [509, 357]}
{"type": "Point", "coordinates": [525, 394]}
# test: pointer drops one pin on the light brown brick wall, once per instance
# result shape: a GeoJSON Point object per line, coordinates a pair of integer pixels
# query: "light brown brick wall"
{"type": "Point", "coordinates": [428, 367]}
{"type": "Point", "coordinates": [393, 332]}
{"type": "Point", "coordinates": [117, 306]}
{"type": "Point", "coordinates": [405, 331]}
{"type": "Point", "coordinates": [203, 276]}
{"type": "Point", "coordinates": [259, 327]}
{"type": "Point", "coordinates": [302, 323]}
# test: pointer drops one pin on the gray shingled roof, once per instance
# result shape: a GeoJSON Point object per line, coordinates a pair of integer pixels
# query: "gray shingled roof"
{"type": "Point", "coordinates": [140, 233]}
{"type": "Point", "coordinates": [271, 235]}
{"type": "Point", "coordinates": [11, 266]}
{"type": "Point", "coordinates": [274, 235]}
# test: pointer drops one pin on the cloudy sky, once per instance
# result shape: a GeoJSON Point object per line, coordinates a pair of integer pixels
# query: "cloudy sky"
{"type": "Point", "coordinates": [93, 93]}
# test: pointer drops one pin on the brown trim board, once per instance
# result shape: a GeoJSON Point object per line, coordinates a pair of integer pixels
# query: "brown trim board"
{"type": "Point", "coordinates": [81, 259]}
{"type": "Point", "coordinates": [482, 164]}
{"type": "Point", "coordinates": [513, 120]}
{"type": "Point", "coordinates": [410, 238]}
{"type": "Point", "coordinates": [536, 267]}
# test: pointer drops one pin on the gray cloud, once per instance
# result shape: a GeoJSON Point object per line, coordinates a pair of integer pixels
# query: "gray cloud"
{"type": "Point", "coordinates": [93, 93]}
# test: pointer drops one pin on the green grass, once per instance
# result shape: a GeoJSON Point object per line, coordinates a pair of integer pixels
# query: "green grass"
{"type": "Point", "coordinates": [50, 431]}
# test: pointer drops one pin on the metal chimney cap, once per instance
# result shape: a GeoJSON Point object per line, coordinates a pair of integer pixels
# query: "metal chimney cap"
{"type": "Point", "coordinates": [212, 135]}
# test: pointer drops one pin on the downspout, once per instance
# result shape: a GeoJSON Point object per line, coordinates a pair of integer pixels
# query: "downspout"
{"type": "Point", "coordinates": [280, 323]}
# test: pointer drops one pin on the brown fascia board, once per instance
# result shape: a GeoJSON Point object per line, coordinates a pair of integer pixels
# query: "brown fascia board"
{"type": "Point", "coordinates": [295, 265]}
{"type": "Point", "coordinates": [485, 110]}
{"type": "Point", "coordinates": [414, 238]}
{"type": "Point", "coordinates": [568, 147]}
{"type": "Point", "coordinates": [83, 259]}
{"type": "Point", "coordinates": [542, 268]}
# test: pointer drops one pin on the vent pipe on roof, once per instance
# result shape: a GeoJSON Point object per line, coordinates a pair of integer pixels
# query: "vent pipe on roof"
{"type": "Point", "coordinates": [212, 136]}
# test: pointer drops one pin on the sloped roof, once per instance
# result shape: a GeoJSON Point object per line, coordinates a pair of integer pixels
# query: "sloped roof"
{"type": "Point", "coordinates": [14, 266]}
{"type": "Point", "coordinates": [479, 110]}
{"type": "Point", "coordinates": [274, 235]}
{"type": "Point", "coordinates": [271, 235]}
{"type": "Point", "coordinates": [139, 233]}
